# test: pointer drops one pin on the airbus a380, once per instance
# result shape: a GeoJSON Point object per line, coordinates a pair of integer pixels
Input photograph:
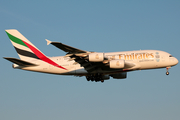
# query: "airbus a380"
{"type": "Point", "coordinates": [95, 66]}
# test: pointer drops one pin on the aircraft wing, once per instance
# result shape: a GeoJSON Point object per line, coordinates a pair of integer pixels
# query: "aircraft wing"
{"type": "Point", "coordinates": [81, 57]}
{"type": "Point", "coordinates": [65, 48]}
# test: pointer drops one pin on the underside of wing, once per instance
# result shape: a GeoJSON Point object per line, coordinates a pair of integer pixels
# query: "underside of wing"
{"type": "Point", "coordinates": [65, 48]}
{"type": "Point", "coordinates": [93, 62]}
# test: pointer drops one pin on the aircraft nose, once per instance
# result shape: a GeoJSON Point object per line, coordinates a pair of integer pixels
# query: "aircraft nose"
{"type": "Point", "coordinates": [176, 61]}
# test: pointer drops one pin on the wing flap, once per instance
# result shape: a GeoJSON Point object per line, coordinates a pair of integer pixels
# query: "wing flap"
{"type": "Point", "coordinates": [20, 62]}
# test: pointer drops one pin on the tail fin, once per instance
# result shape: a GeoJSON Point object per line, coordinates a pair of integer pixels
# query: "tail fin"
{"type": "Point", "coordinates": [25, 49]}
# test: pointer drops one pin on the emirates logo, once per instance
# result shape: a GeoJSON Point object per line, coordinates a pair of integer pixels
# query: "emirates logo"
{"type": "Point", "coordinates": [117, 63]}
{"type": "Point", "coordinates": [97, 56]}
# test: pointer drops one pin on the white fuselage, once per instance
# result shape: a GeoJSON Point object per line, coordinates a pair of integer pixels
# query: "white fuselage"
{"type": "Point", "coordinates": [142, 59]}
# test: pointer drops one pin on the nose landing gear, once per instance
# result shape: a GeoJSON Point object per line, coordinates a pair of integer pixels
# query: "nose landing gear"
{"type": "Point", "coordinates": [167, 72]}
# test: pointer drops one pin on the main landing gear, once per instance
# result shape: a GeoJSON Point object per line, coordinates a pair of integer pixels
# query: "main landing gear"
{"type": "Point", "coordinates": [95, 77]}
{"type": "Point", "coordinates": [167, 72]}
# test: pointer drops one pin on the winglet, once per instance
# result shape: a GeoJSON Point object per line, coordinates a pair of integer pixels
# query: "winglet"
{"type": "Point", "coordinates": [48, 41]}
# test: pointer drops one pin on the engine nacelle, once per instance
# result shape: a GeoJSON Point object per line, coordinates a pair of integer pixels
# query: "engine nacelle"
{"type": "Point", "coordinates": [119, 75]}
{"type": "Point", "coordinates": [117, 64]}
{"type": "Point", "coordinates": [96, 57]}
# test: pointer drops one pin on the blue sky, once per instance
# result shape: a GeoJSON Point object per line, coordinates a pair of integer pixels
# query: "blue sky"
{"type": "Point", "coordinates": [102, 26]}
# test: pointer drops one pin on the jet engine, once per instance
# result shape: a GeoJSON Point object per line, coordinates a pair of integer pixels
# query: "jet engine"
{"type": "Point", "coordinates": [119, 75]}
{"type": "Point", "coordinates": [96, 57]}
{"type": "Point", "coordinates": [117, 64]}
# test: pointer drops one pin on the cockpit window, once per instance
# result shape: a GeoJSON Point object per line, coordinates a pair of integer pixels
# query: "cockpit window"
{"type": "Point", "coordinates": [170, 56]}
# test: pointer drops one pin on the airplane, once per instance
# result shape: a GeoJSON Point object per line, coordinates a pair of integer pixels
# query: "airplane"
{"type": "Point", "coordinates": [95, 66]}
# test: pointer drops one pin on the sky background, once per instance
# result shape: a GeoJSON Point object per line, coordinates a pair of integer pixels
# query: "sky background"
{"type": "Point", "coordinates": [94, 25]}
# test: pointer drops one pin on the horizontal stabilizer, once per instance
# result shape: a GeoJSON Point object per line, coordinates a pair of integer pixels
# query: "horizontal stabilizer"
{"type": "Point", "coordinates": [20, 62]}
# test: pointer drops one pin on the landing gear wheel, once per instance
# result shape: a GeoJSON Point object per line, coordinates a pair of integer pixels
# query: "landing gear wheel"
{"type": "Point", "coordinates": [95, 77]}
{"type": "Point", "coordinates": [88, 78]}
{"type": "Point", "coordinates": [167, 73]}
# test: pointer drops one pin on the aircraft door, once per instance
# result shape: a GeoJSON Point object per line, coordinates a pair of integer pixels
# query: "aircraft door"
{"type": "Point", "coordinates": [157, 56]}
